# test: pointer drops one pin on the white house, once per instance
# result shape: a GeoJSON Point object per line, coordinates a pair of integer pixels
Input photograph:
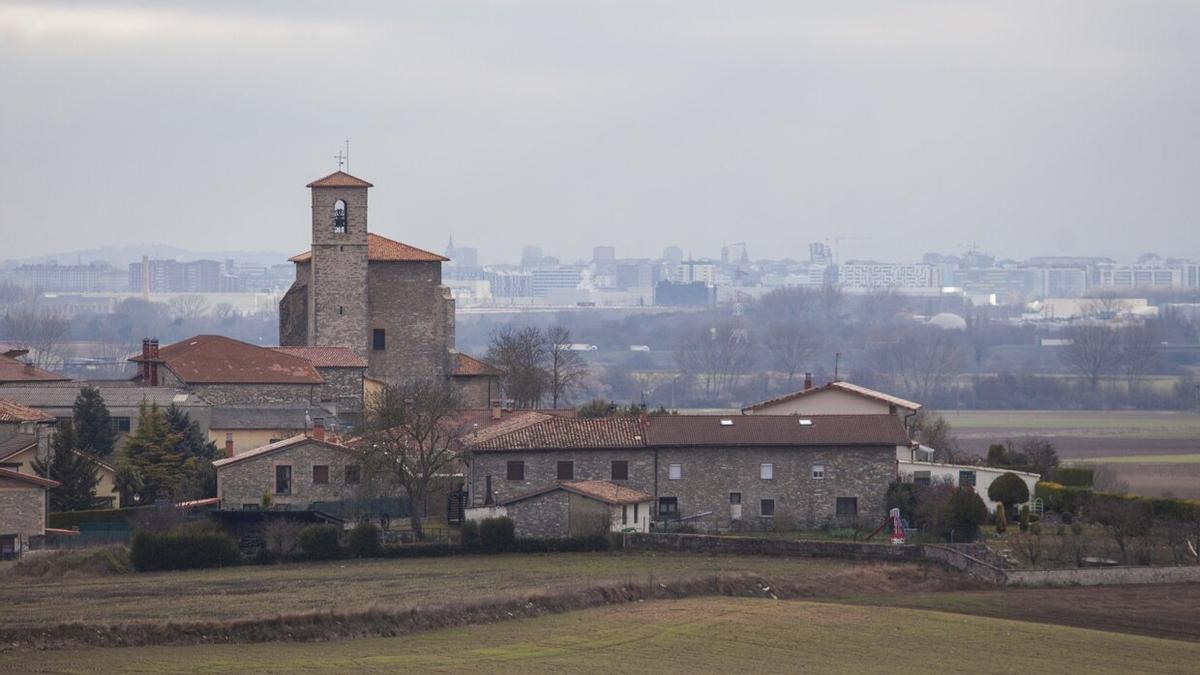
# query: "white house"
{"type": "Point", "coordinates": [834, 398]}
{"type": "Point", "coordinates": [910, 469]}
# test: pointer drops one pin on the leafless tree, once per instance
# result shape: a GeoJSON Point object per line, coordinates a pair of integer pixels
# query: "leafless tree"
{"type": "Point", "coordinates": [791, 344]}
{"type": "Point", "coordinates": [188, 307]}
{"type": "Point", "coordinates": [921, 360]}
{"type": "Point", "coordinates": [224, 311]}
{"type": "Point", "coordinates": [933, 431]}
{"type": "Point", "coordinates": [717, 354]}
{"type": "Point", "coordinates": [565, 368]}
{"type": "Point", "coordinates": [413, 440]}
{"type": "Point", "coordinates": [1141, 351]}
{"type": "Point", "coordinates": [522, 355]}
{"type": "Point", "coordinates": [1093, 353]}
{"type": "Point", "coordinates": [43, 332]}
{"type": "Point", "coordinates": [1104, 304]}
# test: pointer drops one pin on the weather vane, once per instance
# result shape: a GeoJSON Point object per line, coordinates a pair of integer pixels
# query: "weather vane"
{"type": "Point", "coordinates": [343, 158]}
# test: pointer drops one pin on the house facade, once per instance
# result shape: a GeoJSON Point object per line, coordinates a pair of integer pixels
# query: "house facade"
{"type": "Point", "coordinates": [293, 473]}
{"type": "Point", "coordinates": [574, 508]}
{"type": "Point", "coordinates": [912, 468]}
{"type": "Point", "coordinates": [834, 398]}
{"type": "Point", "coordinates": [24, 503]}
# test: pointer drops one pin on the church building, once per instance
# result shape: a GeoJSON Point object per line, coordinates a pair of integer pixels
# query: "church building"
{"type": "Point", "coordinates": [381, 298]}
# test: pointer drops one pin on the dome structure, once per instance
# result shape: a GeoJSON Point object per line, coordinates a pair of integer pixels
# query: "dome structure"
{"type": "Point", "coordinates": [948, 321]}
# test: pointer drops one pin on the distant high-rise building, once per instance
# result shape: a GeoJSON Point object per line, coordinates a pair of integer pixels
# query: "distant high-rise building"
{"type": "Point", "coordinates": [673, 255]}
{"type": "Point", "coordinates": [820, 254]}
{"type": "Point", "coordinates": [856, 274]}
{"type": "Point", "coordinates": [690, 271]}
{"type": "Point", "coordinates": [172, 276]}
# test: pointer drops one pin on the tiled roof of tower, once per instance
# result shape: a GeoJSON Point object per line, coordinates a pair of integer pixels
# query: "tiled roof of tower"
{"type": "Point", "coordinates": [216, 359]}
{"type": "Point", "coordinates": [382, 249]}
{"type": "Point", "coordinates": [326, 357]}
{"type": "Point", "coordinates": [13, 412]}
{"type": "Point", "coordinates": [570, 432]}
{"type": "Point", "coordinates": [469, 366]}
{"type": "Point", "coordinates": [12, 370]}
{"type": "Point", "coordinates": [339, 179]}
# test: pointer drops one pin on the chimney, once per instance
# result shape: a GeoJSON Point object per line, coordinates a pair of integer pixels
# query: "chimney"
{"type": "Point", "coordinates": [229, 445]}
{"type": "Point", "coordinates": [144, 366]}
{"type": "Point", "coordinates": [154, 366]}
{"type": "Point", "coordinates": [496, 410]}
{"type": "Point", "coordinates": [808, 381]}
{"type": "Point", "coordinates": [318, 430]}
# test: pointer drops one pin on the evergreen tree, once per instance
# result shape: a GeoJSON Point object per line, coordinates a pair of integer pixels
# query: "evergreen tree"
{"type": "Point", "coordinates": [93, 423]}
{"type": "Point", "coordinates": [74, 470]}
{"type": "Point", "coordinates": [152, 455]}
{"type": "Point", "coordinates": [192, 441]}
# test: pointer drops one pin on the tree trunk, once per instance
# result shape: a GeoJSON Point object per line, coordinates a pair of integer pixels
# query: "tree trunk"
{"type": "Point", "coordinates": [417, 511]}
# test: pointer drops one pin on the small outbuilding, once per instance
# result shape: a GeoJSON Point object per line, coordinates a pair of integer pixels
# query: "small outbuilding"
{"type": "Point", "coordinates": [24, 502]}
{"type": "Point", "coordinates": [573, 508]}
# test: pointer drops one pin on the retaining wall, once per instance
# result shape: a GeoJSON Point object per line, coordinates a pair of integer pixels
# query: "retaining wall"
{"type": "Point", "coordinates": [703, 543]}
{"type": "Point", "coordinates": [1102, 576]}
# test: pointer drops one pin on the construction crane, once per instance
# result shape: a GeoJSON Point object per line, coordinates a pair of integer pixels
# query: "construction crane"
{"type": "Point", "coordinates": [837, 245]}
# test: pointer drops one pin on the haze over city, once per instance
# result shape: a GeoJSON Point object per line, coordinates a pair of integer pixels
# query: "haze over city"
{"type": "Point", "coordinates": [1025, 128]}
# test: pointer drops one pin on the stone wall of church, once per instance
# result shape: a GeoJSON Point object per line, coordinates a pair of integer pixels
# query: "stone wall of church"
{"type": "Point", "coordinates": [293, 310]}
{"type": "Point", "coordinates": [408, 301]}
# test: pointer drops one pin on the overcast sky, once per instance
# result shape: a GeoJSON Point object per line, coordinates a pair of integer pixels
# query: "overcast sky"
{"type": "Point", "coordinates": [1025, 127]}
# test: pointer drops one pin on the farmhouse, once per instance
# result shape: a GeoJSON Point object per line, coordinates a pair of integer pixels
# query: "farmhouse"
{"type": "Point", "coordinates": [760, 469]}
{"type": "Point", "coordinates": [292, 474]}
{"type": "Point", "coordinates": [833, 398]}
{"type": "Point", "coordinates": [24, 502]}
{"type": "Point", "coordinates": [574, 508]}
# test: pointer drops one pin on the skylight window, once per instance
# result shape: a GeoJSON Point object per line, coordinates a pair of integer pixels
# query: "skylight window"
{"type": "Point", "coordinates": [726, 423]}
{"type": "Point", "coordinates": [806, 423]}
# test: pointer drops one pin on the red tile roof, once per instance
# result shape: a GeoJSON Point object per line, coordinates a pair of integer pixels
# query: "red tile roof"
{"type": "Point", "coordinates": [840, 386]}
{"type": "Point", "coordinates": [600, 490]}
{"type": "Point", "coordinates": [339, 179]}
{"type": "Point", "coordinates": [382, 249]}
{"type": "Point", "coordinates": [216, 359]}
{"type": "Point", "coordinates": [469, 366]}
{"type": "Point", "coordinates": [277, 446]}
{"type": "Point", "coordinates": [326, 357]}
{"type": "Point", "coordinates": [13, 412]}
{"type": "Point", "coordinates": [569, 432]}
{"type": "Point", "coordinates": [36, 480]}
{"type": "Point", "coordinates": [12, 370]}
{"type": "Point", "coordinates": [787, 430]}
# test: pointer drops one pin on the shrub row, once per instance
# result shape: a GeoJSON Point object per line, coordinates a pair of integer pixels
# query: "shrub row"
{"type": "Point", "coordinates": [1072, 476]}
{"type": "Point", "coordinates": [181, 549]}
{"type": "Point", "coordinates": [67, 519]}
{"type": "Point", "coordinates": [1071, 499]}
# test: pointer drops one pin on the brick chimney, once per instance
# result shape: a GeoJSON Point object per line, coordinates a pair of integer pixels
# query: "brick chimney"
{"type": "Point", "coordinates": [318, 430]}
{"type": "Point", "coordinates": [497, 411]}
{"type": "Point", "coordinates": [144, 364]}
{"type": "Point", "coordinates": [154, 359]}
{"type": "Point", "coordinates": [229, 445]}
{"type": "Point", "coordinates": [808, 381]}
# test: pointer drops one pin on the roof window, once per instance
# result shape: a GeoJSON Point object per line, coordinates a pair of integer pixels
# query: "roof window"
{"type": "Point", "coordinates": [726, 423]}
{"type": "Point", "coordinates": [806, 423]}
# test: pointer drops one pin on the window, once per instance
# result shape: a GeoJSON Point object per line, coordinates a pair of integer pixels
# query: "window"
{"type": "Point", "coordinates": [341, 310]}
{"type": "Point", "coordinates": [766, 508]}
{"type": "Point", "coordinates": [120, 425]}
{"type": "Point", "coordinates": [320, 474]}
{"type": "Point", "coordinates": [283, 480]}
{"type": "Point", "coordinates": [668, 507]}
{"type": "Point", "coordinates": [966, 478]}
{"type": "Point", "coordinates": [273, 440]}
{"type": "Point", "coordinates": [635, 513]}
{"type": "Point", "coordinates": [620, 469]}
{"type": "Point", "coordinates": [11, 466]}
{"type": "Point", "coordinates": [251, 507]}
{"type": "Point", "coordinates": [566, 470]}
{"type": "Point", "coordinates": [624, 514]}
{"type": "Point", "coordinates": [922, 478]}
{"type": "Point", "coordinates": [818, 471]}
{"type": "Point", "coordinates": [378, 339]}
{"type": "Point", "coordinates": [847, 506]}
{"type": "Point", "coordinates": [516, 470]}
{"type": "Point", "coordinates": [353, 474]}
{"type": "Point", "coordinates": [675, 471]}
{"type": "Point", "coordinates": [766, 471]}
{"type": "Point", "coordinates": [735, 498]}
{"type": "Point", "coordinates": [339, 216]}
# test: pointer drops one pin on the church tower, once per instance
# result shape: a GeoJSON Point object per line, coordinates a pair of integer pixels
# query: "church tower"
{"type": "Point", "coordinates": [338, 314]}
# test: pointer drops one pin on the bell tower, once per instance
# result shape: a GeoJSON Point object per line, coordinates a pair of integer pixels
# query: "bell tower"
{"type": "Point", "coordinates": [337, 298]}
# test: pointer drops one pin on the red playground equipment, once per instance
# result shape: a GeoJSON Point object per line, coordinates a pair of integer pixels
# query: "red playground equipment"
{"type": "Point", "coordinates": [897, 527]}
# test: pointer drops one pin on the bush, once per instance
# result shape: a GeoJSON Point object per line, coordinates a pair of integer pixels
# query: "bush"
{"type": "Point", "coordinates": [1025, 518]}
{"type": "Point", "coordinates": [1010, 489]}
{"type": "Point", "coordinates": [1061, 498]}
{"type": "Point", "coordinates": [951, 513]}
{"type": "Point", "coordinates": [320, 542]}
{"type": "Point", "coordinates": [586, 544]}
{"type": "Point", "coordinates": [66, 520]}
{"type": "Point", "coordinates": [182, 548]}
{"type": "Point", "coordinates": [904, 496]}
{"type": "Point", "coordinates": [1001, 518]}
{"type": "Point", "coordinates": [1073, 476]}
{"type": "Point", "coordinates": [497, 535]}
{"type": "Point", "coordinates": [364, 540]}
{"type": "Point", "coordinates": [468, 534]}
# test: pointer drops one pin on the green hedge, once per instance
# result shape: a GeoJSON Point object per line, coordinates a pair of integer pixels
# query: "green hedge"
{"type": "Point", "coordinates": [68, 519]}
{"type": "Point", "coordinates": [1071, 476]}
{"type": "Point", "coordinates": [497, 535]}
{"type": "Point", "coordinates": [364, 541]}
{"type": "Point", "coordinates": [320, 542]}
{"type": "Point", "coordinates": [588, 544]}
{"type": "Point", "coordinates": [181, 550]}
{"type": "Point", "coordinates": [1060, 498]}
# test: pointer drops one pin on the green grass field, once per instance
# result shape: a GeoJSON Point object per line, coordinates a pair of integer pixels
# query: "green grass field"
{"type": "Point", "coordinates": [693, 635]}
{"type": "Point", "coordinates": [1085, 423]}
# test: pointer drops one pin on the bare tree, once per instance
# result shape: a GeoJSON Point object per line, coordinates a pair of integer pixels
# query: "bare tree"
{"type": "Point", "coordinates": [224, 311]}
{"type": "Point", "coordinates": [44, 332]}
{"type": "Point", "coordinates": [717, 354]}
{"type": "Point", "coordinates": [791, 345]}
{"type": "Point", "coordinates": [1093, 353]}
{"type": "Point", "coordinates": [188, 307]}
{"type": "Point", "coordinates": [1104, 304]}
{"type": "Point", "coordinates": [921, 360]}
{"type": "Point", "coordinates": [565, 368]}
{"type": "Point", "coordinates": [522, 355]}
{"type": "Point", "coordinates": [1141, 351]}
{"type": "Point", "coordinates": [413, 440]}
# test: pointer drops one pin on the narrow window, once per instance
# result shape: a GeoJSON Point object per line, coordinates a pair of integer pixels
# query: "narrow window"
{"type": "Point", "coordinates": [847, 506]}
{"type": "Point", "coordinates": [635, 514]}
{"type": "Point", "coordinates": [818, 471]}
{"type": "Point", "coordinates": [735, 498]}
{"type": "Point", "coordinates": [766, 508]}
{"type": "Point", "coordinates": [283, 480]}
{"type": "Point", "coordinates": [378, 339]}
{"type": "Point", "coordinates": [766, 471]}
{"type": "Point", "coordinates": [620, 469]}
{"type": "Point", "coordinates": [320, 474]}
{"type": "Point", "coordinates": [624, 514]}
{"type": "Point", "coordinates": [668, 507]}
{"type": "Point", "coordinates": [341, 309]}
{"type": "Point", "coordinates": [339, 216]}
{"type": "Point", "coordinates": [353, 474]}
{"type": "Point", "coordinates": [516, 470]}
{"type": "Point", "coordinates": [675, 471]}
{"type": "Point", "coordinates": [566, 470]}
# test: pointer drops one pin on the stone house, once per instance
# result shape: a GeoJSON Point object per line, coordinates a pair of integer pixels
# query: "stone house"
{"type": "Point", "coordinates": [293, 473]}
{"type": "Point", "coordinates": [343, 372]}
{"type": "Point", "coordinates": [574, 508]}
{"type": "Point", "coordinates": [834, 398]}
{"type": "Point", "coordinates": [239, 429]}
{"type": "Point", "coordinates": [24, 503]}
{"type": "Point", "coordinates": [15, 371]}
{"type": "Point", "coordinates": [478, 383]}
{"type": "Point", "coordinates": [759, 469]}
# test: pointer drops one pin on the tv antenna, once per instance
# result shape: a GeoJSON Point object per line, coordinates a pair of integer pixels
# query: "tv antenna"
{"type": "Point", "coordinates": [343, 157]}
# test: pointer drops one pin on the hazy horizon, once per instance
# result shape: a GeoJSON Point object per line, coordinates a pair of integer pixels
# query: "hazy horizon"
{"type": "Point", "coordinates": [1032, 128]}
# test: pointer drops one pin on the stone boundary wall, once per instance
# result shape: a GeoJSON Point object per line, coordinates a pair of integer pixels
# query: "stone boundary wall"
{"type": "Point", "coordinates": [1103, 576]}
{"type": "Point", "coordinates": [967, 564]}
{"type": "Point", "coordinates": [703, 543]}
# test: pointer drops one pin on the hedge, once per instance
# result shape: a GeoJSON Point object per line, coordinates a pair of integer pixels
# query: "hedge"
{"type": "Point", "coordinates": [181, 550]}
{"type": "Point", "coordinates": [66, 520]}
{"type": "Point", "coordinates": [497, 535]}
{"type": "Point", "coordinates": [1072, 476]}
{"type": "Point", "coordinates": [1070, 499]}
{"type": "Point", "coordinates": [586, 544]}
{"type": "Point", "coordinates": [320, 542]}
{"type": "Point", "coordinates": [1062, 498]}
{"type": "Point", "coordinates": [364, 541]}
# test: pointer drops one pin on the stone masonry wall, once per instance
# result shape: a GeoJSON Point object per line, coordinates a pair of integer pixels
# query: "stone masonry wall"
{"type": "Point", "coordinates": [22, 509]}
{"type": "Point", "coordinates": [337, 308]}
{"type": "Point", "coordinates": [699, 543]}
{"type": "Point", "coordinates": [343, 386]}
{"type": "Point", "coordinates": [246, 481]}
{"type": "Point", "coordinates": [293, 310]}
{"type": "Point", "coordinates": [542, 516]}
{"type": "Point", "coordinates": [259, 394]}
{"type": "Point", "coordinates": [541, 470]}
{"type": "Point", "coordinates": [474, 391]}
{"type": "Point", "coordinates": [408, 301]}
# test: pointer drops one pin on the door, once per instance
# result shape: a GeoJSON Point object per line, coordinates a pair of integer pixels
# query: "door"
{"type": "Point", "coordinates": [735, 506]}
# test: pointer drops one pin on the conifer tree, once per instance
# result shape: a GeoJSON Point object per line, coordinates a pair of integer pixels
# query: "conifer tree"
{"type": "Point", "coordinates": [74, 470]}
{"type": "Point", "coordinates": [152, 455]}
{"type": "Point", "coordinates": [93, 423]}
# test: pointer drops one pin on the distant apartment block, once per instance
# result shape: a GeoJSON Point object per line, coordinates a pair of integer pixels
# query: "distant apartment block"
{"type": "Point", "coordinates": [692, 271]}
{"type": "Point", "coordinates": [93, 277]}
{"type": "Point", "coordinates": [886, 275]}
{"type": "Point", "coordinates": [509, 284]}
{"type": "Point", "coordinates": [1136, 276]}
{"type": "Point", "coordinates": [546, 280]}
{"type": "Point", "coordinates": [173, 276]}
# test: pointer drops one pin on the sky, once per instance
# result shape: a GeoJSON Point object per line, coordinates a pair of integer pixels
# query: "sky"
{"type": "Point", "coordinates": [1022, 128]}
